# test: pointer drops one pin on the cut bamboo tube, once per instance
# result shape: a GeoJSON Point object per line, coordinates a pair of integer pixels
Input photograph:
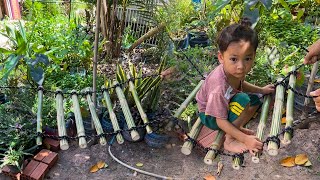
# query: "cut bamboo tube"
{"type": "Point", "coordinates": [187, 146]}
{"type": "Point", "coordinates": [211, 155]}
{"type": "Point", "coordinates": [94, 117]}
{"type": "Point", "coordinates": [289, 112]}
{"type": "Point", "coordinates": [309, 89]}
{"type": "Point", "coordinates": [60, 120]}
{"type": "Point", "coordinates": [126, 111]}
{"type": "Point", "coordinates": [262, 124]}
{"type": "Point", "coordinates": [112, 115]}
{"type": "Point", "coordinates": [184, 105]}
{"type": "Point", "coordinates": [276, 118]}
{"type": "Point", "coordinates": [79, 121]}
{"type": "Point", "coordinates": [236, 163]}
{"type": "Point", "coordinates": [39, 115]}
{"type": "Point", "coordinates": [139, 106]}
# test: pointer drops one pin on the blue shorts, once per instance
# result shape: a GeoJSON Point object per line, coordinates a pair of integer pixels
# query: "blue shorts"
{"type": "Point", "coordinates": [237, 104]}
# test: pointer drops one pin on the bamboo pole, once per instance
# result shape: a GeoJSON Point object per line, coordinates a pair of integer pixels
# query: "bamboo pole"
{"type": "Point", "coordinates": [262, 124]}
{"type": "Point", "coordinates": [236, 163]}
{"type": "Point", "coordinates": [139, 106]}
{"type": "Point", "coordinates": [184, 105]}
{"type": "Point", "coordinates": [79, 121]}
{"type": "Point", "coordinates": [196, 128]}
{"type": "Point", "coordinates": [211, 155]}
{"type": "Point", "coordinates": [94, 117]}
{"type": "Point", "coordinates": [276, 118]}
{"type": "Point", "coordinates": [39, 115]}
{"type": "Point", "coordinates": [60, 120]}
{"type": "Point", "coordinates": [112, 115]}
{"type": "Point", "coordinates": [289, 112]}
{"type": "Point", "coordinates": [126, 111]}
{"type": "Point", "coordinates": [309, 89]}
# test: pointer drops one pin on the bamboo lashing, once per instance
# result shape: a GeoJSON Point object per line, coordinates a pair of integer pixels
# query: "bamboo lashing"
{"type": "Point", "coordinates": [289, 113]}
{"type": "Point", "coordinates": [60, 121]}
{"type": "Point", "coordinates": [112, 116]}
{"type": "Point", "coordinates": [211, 154]}
{"type": "Point", "coordinates": [126, 111]}
{"type": "Point", "coordinates": [276, 118]}
{"type": "Point", "coordinates": [195, 130]}
{"type": "Point", "coordinates": [94, 117]}
{"type": "Point", "coordinates": [139, 106]}
{"type": "Point", "coordinates": [262, 124]}
{"type": "Point", "coordinates": [79, 121]}
{"type": "Point", "coordinates": [184, 105]}
{"type": "Point", "coordinates": [39, 115]}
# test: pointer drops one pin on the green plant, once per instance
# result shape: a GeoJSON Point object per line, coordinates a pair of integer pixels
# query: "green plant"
{"type": "Point", "coordinates": [13, 157]}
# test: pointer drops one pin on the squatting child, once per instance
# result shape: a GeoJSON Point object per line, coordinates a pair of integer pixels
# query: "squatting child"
{"type": "Point", "coordinates": [223, 101]}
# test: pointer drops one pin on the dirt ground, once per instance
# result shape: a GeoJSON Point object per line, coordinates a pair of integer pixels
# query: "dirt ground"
{"type": "Point", "coordinates": [74, 163]}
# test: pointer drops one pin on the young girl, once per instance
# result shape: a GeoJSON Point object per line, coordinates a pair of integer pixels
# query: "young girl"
{"type": "Point", "coordinates": [221, 100]}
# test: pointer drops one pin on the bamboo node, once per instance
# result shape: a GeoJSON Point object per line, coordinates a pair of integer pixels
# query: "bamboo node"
{"type": "Point", "coordinates": [240, 156]}
{"type": "Point", "coordinates": [274, 139]}
{"type": "Point", "coordinates": [289, 130]}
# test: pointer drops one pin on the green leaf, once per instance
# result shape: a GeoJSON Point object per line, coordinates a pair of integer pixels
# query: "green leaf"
{"type": "Point", "coordinates": [9, 65]}
{"type": "Point", "coordinates": [284, 4]}
{"type": "Point", "coordinates": [220, 4]}
{"type": "Point", "coordinates": [300, 14]}
{"type": "Point", "coordinates": [6, 51]}
{"type": "Point", "coordinates": [37, 74]}
{"type": "Point", "coordinates": [267, 3]}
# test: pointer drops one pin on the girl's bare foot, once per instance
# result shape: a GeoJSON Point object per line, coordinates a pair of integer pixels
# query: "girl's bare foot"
{"type": "Point", "coordinates": [233, 145]}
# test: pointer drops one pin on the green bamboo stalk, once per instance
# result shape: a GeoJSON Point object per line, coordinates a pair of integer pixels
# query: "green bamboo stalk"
{"type": "Point", "coordinates": [126, 111]}
{"type": "Point", "coordinates": [112, 115]}
{"type": "Point", "coordinates": [289, 112]}
{"type": "Point", "coordinates": [139, 106]}
{"type": "Point", "coordinates": [236, 163]}
{"type": "Point", "coordinates": [276, 118]}
{"type": "Point", "coordinates": [211, 155]}
{"type": "Point", "coordinates": [79, 121]}
{"type": "Point", "coordinates": [94, 117]}
{"type": "Point", "coordinates": [262, 124]}
{"type": "Point", "coordinates": [60, 120]}
{"type": "Point", "coordinates": [39, 115]}
{"type": "Point", "coordinates": [309, 89]}
{"type": "Point", "coordinates": [196, 128]}
{"type": "Point", "coordinates": [184, 105]}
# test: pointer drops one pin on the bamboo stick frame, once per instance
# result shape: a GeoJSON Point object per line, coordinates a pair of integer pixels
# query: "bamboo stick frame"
{"type": "Point", "coordinates": [112, 115]}
{"type": "Point", "coordinates": [60, 120]}
{"type": "Point", "coordinates": [216, 145]}
{"type": "Point", "coordinates": [187, 145]}
{"type": "Point", "coordinates": [289, 113]}
{"type": "Point", "coordinates": [262, 124]}
{"type": "Point", "coordinates": [138, 104]}
{"type": "Point", "coordinates": [276, 118]}
{"type": "Point", "coordinates": [94, 116]}
{"type": "Point", "coordinates": [126, 111]}
{"type": "Point", "coordinates": [184, 105]}
{"type": "Point", "coordinates": [314, 71]}
{"type": "Point", "coordinates": [79, 121]}
{"type": "Point", "coordinates": [39, 115]}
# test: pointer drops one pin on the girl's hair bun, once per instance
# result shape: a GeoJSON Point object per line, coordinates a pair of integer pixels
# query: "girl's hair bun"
{"type": "Point", "coordinates": [245, 21]}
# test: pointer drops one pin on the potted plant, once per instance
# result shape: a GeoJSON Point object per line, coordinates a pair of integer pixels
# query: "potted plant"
{"type": "Point", "coordinates": [13, 159]}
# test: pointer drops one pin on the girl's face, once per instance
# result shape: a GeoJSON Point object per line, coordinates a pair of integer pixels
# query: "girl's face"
{"type": "Point", "coordinates": [238, 59]}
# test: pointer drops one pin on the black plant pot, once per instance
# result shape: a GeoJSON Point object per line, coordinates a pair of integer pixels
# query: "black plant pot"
{"type": "Point", "coordinates": [156, 140]}
{"type": "Point", "coordinates": [198, 38]}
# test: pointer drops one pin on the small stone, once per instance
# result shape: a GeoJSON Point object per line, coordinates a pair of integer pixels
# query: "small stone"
{"type": "Point", "coordinates": [173, 145]}
{"type": "Point", "coordinates": [168, 146]}
{"type": "Point", "coordinates": [135, 173]}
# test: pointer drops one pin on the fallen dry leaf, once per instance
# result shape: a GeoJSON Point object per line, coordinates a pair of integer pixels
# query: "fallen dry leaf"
{"type": "Point", "coordinates": [209, 177]}
{"type": "Point", "coordinates": [283, 120]}
{"type": "Point", "coordinates": [288, 162]}
{"type": "Point", "coordinates": [139, 164]}
{"type": "Point", "coordinates": [307, 164]}
{"type": "Point", "coordinates": [94, 168]}
{"type": "Point", "coordinates": [101, 164]}
{"type": "Point", "coordinates": [301, 159]}
{"type": "Point", "coordinates": [317, 81]}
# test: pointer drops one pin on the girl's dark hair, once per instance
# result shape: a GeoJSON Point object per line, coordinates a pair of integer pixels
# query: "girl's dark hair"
{"type": "Point", "coordinates": [236, 33]}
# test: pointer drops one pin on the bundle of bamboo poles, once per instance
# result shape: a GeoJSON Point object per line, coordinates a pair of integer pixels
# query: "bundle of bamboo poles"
{"type": "Point", "coordinates": [126, 111]}
{"type": "Point", "coordinates": [289, 112]}
{"type": "Point", "coordinates": [39, 115]}
{"type": "Point", "coordinates": [139, 106]}
{"type": "Point", "coordinates": [94, 116]}
{"type": "Point", "coordinates": [262, 124]}
{"type": "Point", "coordinates": [79, 121]}
{"type": "Point", "coordinates": [276, 118]}
{"type": "Point", "coordinates": [60, 120]}
{"type": "Point", "coordinates": [112, 115]}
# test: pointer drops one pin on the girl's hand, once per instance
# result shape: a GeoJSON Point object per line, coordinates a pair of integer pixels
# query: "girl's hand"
{"type": "Point", "coordinates": [268, 89]}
